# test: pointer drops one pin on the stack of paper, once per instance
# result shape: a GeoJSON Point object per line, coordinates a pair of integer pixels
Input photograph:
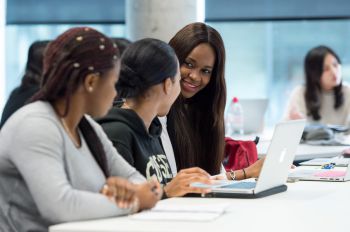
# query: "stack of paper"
{"type": "Point", "coordinates": [190, 212]}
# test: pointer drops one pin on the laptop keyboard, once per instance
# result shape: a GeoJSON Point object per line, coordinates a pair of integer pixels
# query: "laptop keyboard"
{"type": "Point", "coordinates": [241, 185]}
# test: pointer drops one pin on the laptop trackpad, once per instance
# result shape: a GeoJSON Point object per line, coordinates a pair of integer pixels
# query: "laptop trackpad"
{"type": "Point", "coordinates": [240, 185]}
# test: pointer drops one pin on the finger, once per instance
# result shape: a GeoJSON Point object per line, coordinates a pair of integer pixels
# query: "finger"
{"type": "Point", "coordinates": [157, 189]}
{"type": "Point", "coordinates": [111, 193]}
{"type": "Point", "coordinates": [218, 177]}
{"type": "Point", "coordinates": [129, 196]}
{"type": "Point", "coordinates": [107, 192]}
{"type": "Point", "coordinates": [195, 170]}
{"type": "Point", "coordinates": [188, 176]}
{"type": "Point", "coordinates": [104, 190]}
{"type": "Point", "coordinates": [201, 179]}
{"type": "Point", "coordinates": [198, 190]}
{"type": "Point", "coordinates": [121, 190]}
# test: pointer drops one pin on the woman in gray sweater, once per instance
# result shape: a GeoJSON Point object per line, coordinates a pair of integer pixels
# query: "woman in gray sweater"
{"type": "Point", "coordinates": [56, 163]}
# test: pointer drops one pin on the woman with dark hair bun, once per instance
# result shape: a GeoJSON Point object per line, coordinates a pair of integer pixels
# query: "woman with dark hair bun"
{"type": "Point", "coordinates": [149, 83]}
{"type": "Point", "coordinates": [324, 98]}
{"type": "Point", "coordinates": [56, 164]}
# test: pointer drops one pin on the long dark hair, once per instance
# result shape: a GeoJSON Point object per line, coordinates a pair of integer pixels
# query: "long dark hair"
{"type": "Point", "coordinates": [34, 66]}
{"type": "Point", "coordinates": [67, 61]}
{"type": "Point", "coordinates": [196, 125]}
{"type": "Point", "coordinates": [145, 63]}
{"type": "Point", "coordinates": [313, 68]}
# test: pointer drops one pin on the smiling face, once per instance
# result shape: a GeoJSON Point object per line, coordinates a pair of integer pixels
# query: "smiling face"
{"type": "Point", "coordinates": [197, 69]}
{"type": "Point", "coordinates": [331, 75]}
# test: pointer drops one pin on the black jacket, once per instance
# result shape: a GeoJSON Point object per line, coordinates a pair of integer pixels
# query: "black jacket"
{"type": "Point", "coordinates": [17, 99]}
{"type": "Point", "coordinates": [141, 148]}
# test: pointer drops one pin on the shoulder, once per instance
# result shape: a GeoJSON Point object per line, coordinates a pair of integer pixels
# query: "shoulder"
{"type": "Point", "coordinates": [346, 88]}
{"type": "Point", "coordinates": [34, 115]}
{"type": "Point", "coordinates": [32, 125]}
{"type": "Point", "coordinates": [114, 130]}
{"type": "Point", "coordinates": [299, 90]}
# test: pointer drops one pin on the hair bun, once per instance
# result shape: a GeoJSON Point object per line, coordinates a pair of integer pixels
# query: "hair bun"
{"type": "Point", "coordinates": [130, 77]}
{"type": "Point", "coordinates": [130, 83]}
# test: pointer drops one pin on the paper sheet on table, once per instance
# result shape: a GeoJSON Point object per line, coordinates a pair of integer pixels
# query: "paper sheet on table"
{"type": "Point", "coordinates": [181, 212]}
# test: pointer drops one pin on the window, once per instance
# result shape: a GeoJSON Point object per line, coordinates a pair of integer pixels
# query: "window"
{"type": "Point", "coordinates": [20, 37]}
{"type": "Point", "coordinates": [264, 59]}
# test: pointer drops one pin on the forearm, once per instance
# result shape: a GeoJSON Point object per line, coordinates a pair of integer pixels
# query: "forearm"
{"type": "Point", "coordinates": [239, 174]}
{"type": "Point", "coordinates": [80, 205]}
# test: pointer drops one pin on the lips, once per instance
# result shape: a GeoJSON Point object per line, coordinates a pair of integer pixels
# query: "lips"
{"type": "Point", "coordinates": [189, 86]}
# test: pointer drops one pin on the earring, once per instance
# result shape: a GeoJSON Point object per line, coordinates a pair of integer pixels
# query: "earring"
{"type": "Point", "coordinates": [90, 89]}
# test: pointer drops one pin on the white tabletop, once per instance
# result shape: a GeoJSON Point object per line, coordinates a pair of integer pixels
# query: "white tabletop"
{"type": "Point", "coordinates": [305, 151]}
{"type": "Point", "coordinates": [306, 206]}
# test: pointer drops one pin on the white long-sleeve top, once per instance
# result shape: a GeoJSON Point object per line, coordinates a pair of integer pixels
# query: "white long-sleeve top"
{"type": "Point", "coordinates": [45, 179]}
{"type": "Point", "coordinates": [329, 115]}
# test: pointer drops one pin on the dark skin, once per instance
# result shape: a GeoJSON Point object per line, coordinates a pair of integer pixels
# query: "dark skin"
{"type": "Point", "coordinates": [95, 97]}
{"type": "Point", "coordinates": [196, 73]}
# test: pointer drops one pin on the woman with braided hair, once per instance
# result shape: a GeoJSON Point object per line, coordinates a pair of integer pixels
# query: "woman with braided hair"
{"type": "Point", "coordinates": [57, 164]}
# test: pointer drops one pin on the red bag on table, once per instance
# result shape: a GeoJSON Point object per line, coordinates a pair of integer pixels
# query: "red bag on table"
{"type": "Point", "coordinates": [239, 154]}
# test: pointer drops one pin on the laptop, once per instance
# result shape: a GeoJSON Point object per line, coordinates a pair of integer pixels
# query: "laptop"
{"type": "Point", "coordinates": [338, 161]}
{"type": "Point", "coordinates": [317, 174]}
{"type": "Point", "coordinates": [274, 172]}
{"type": "Point", "coordinates": [254, 114]}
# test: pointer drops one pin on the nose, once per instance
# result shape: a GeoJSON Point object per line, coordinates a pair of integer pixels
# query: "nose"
{"type": "Point", "coordinates": [194, 75]}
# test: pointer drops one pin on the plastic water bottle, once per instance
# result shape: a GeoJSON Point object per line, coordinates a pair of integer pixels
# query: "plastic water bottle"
{"type": "Point", "coordinates": [234, 118]}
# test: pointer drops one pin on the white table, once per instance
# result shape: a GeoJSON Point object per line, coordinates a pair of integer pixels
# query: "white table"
{"type": "Point", "coordinates": [305, 152]}
{"type": "Point", "coordinates": [306, 206]}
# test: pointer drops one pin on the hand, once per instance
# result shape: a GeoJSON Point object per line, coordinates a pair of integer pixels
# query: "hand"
{"type": "Point", "coordinates": [294, 114]}
{"type": "Point", "coordinates": [148, 193]}
{"type": "Point", "coordinates": [180, 184]}
{"type": "Point", "coordinates": [218, 177]}
{"type": "Point", "coordinates": [253, 171]}
{"type": "Point", "coordinates": [120, 191]}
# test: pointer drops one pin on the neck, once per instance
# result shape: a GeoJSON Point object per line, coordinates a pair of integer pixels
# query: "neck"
{"type": "Point", "coordinates": [145, 109]}
{"type": "Point", "coordinates": [74, 114]}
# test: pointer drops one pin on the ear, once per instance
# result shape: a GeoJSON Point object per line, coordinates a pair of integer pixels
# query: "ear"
{"type": "Point", "coordinates": [168, 85]}
{"type": "Point", "coordinates": [90, 82]}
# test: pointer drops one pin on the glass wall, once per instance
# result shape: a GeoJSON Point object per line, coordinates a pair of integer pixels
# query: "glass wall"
{"type": "Point", "coordinates": [20, 37]}
{"type": "Point", "coordinates": [265, 59]}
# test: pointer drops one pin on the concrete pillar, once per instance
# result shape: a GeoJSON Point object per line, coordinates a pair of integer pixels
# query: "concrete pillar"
{"type": "Point", "coordinates": [161, 19]}
{"type": "Point", "coordinates": [2, 53]}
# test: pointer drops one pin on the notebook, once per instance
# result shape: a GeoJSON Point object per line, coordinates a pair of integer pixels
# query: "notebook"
{"type": "Point", "coordinates": [274, 172]}
{"type": "Point", "coordinates": [253, 114]}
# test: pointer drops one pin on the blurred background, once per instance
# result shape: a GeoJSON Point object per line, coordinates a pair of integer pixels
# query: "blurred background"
{"type": "Point", "coordinates": [266, 40]}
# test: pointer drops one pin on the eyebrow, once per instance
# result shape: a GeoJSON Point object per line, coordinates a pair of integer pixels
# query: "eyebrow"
{"type": "Point", "coordinates": [194, 61]}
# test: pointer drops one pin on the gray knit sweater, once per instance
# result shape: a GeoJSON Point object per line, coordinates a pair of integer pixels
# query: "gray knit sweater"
{"type": "Point", "coordinates": [45, 179]}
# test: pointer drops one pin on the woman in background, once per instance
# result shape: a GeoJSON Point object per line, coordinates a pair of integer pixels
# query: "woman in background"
{"type": "Point", "coordinates": [324, 98]}
{"type": "Point", "coordinates": [30, 82]}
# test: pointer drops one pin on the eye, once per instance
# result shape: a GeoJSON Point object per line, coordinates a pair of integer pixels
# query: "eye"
{"type": "Point", "coordinates": [188, 64]}
{"type": "Point", "coordinates": [325, 69]}
{"type": "Point", "coordinates": [206, 71]}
